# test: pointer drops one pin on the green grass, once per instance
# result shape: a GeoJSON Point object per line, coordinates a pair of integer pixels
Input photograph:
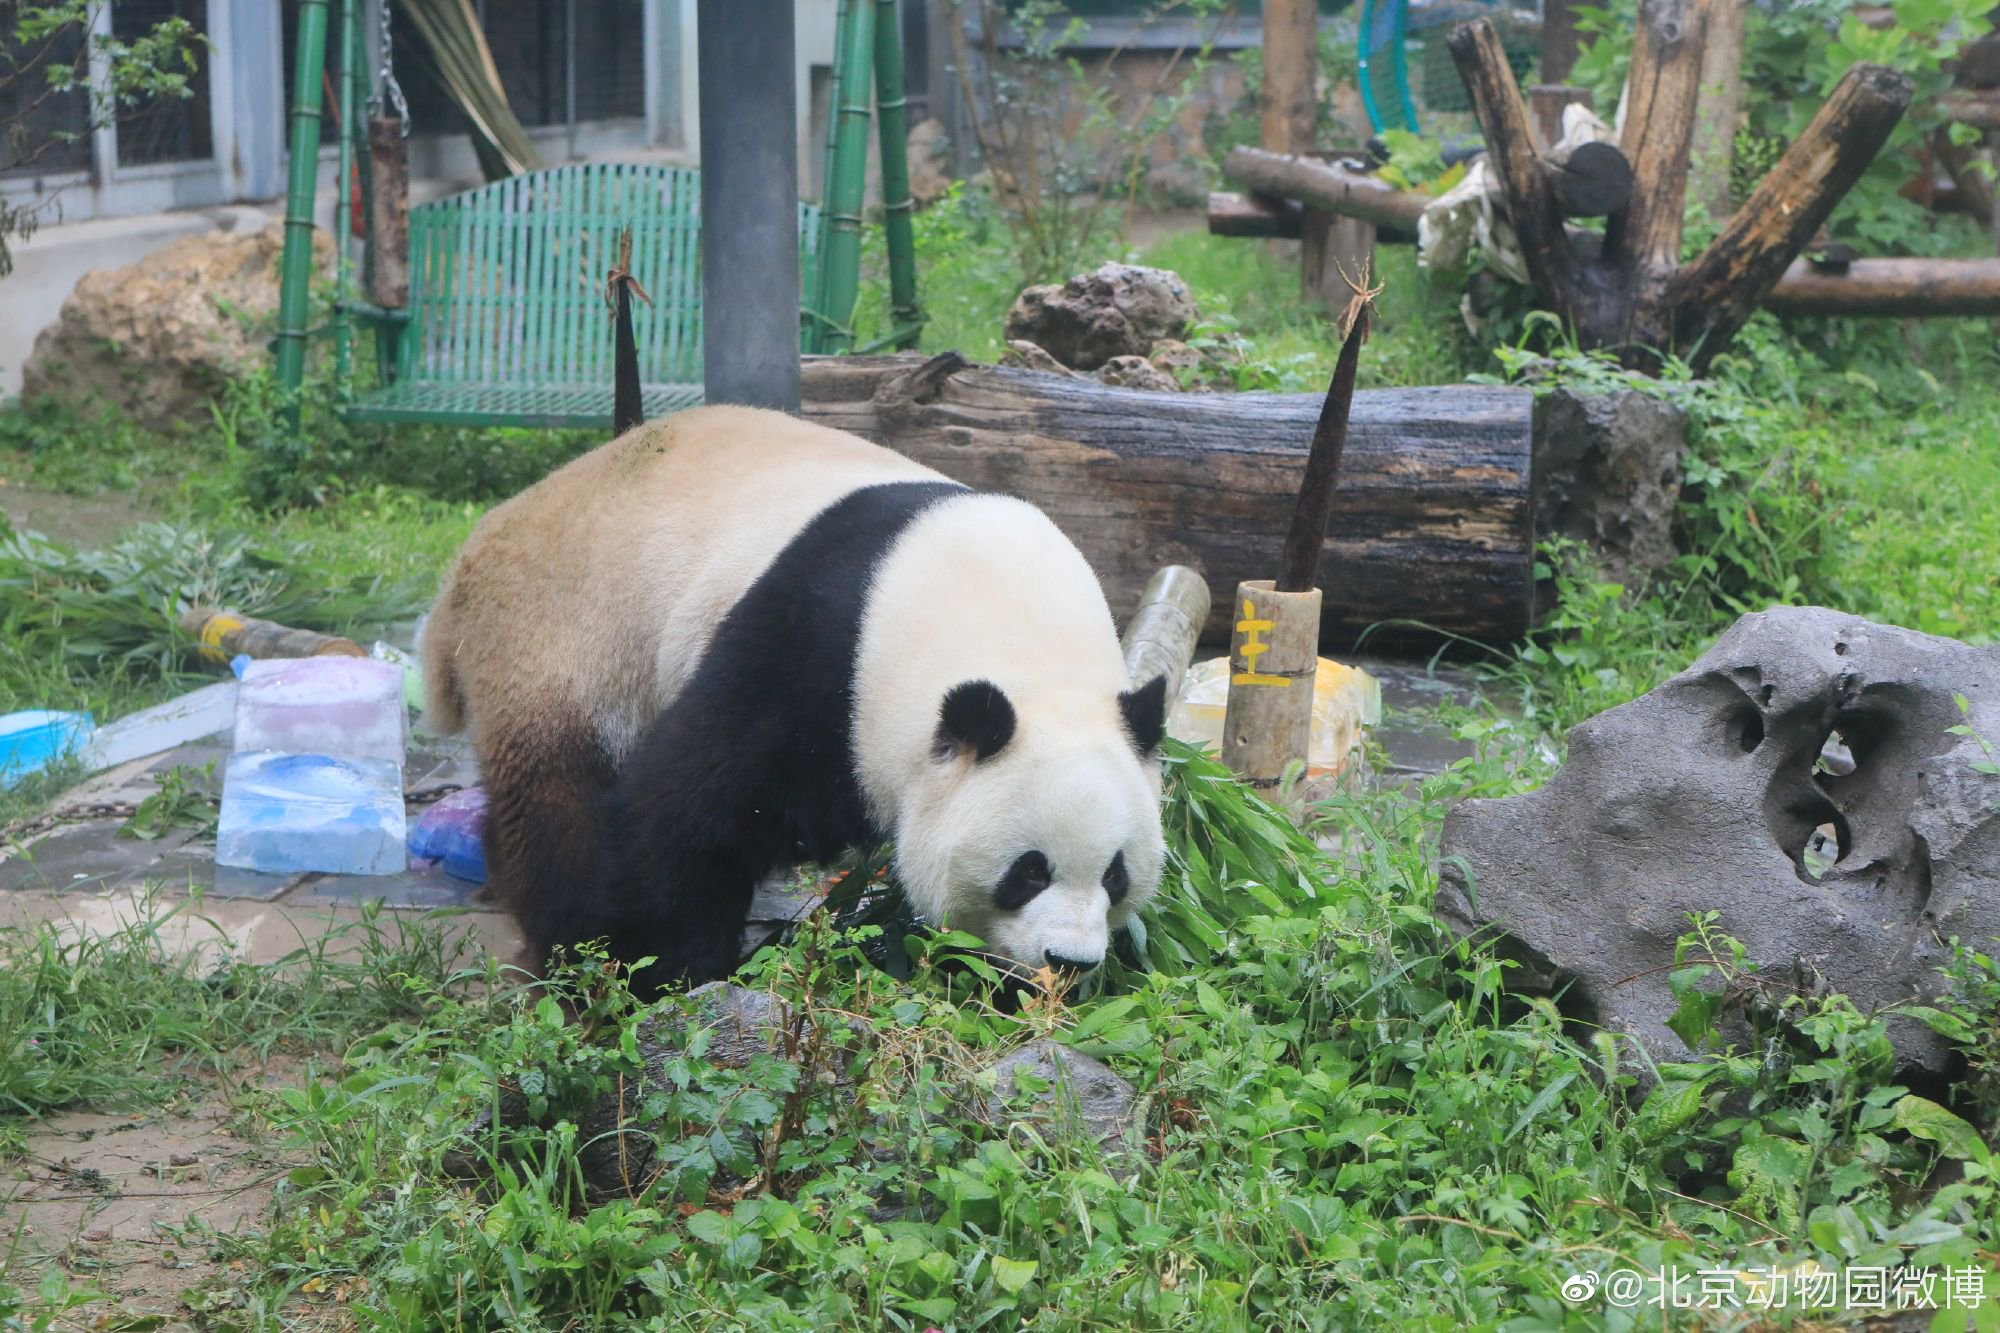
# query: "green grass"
{"type": "Point", "coordinates": [1345, 1122]}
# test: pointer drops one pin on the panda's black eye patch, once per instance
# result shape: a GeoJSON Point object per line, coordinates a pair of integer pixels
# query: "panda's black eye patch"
{"type": "Point", "coordinates": [1028, 876]}
{"type": "Point", "coordinates": [1116, 881]}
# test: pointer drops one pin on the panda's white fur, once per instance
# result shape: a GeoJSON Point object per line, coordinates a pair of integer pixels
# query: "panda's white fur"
{"type": "Point", "coordinates": [1021, 608]}
{"type": "Point", "coordinates": [726, 641]}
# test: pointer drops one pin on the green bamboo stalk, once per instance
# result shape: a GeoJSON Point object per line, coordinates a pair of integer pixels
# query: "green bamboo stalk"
{"type": "Point", "coordinates": [343, 207]}
{"type": "Point", "coordinates": [906, 313]}
{"type": "Point", "coordinates": [295, 288]}
{"type": "Point", "coordinates": [815, 327]}
{"type": "Point", "coordinates": [840, 259]}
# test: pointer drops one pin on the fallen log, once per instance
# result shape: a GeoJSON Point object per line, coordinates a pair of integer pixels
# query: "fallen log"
{"type": "Point", "coordinates": [1327, 186]}
{"type": "Point", "coordinates": [1254, 215]}
{"type": "Point", "coordinates": [1898, 288]}
{"type": "Point", "coordinates": [1433, 522]}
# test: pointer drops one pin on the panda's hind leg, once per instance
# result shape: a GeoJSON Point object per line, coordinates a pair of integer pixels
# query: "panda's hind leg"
{"type": "Point", "coordinates": [544, 829]}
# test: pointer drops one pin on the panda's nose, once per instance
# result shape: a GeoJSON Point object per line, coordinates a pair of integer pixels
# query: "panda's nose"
{"type": "Point", "coordinates": [1061, 963]}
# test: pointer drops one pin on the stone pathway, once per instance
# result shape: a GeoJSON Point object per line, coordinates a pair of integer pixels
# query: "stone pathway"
{"type": "Point", "coordinates": [90, 873]}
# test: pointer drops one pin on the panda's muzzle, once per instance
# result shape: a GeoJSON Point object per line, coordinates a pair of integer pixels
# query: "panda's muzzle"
{"type": "Point", "coordinates": [1064, 964]}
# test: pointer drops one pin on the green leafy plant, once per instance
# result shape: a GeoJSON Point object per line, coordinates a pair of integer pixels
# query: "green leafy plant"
{"type": "Point", "coordinates": [186, 799]}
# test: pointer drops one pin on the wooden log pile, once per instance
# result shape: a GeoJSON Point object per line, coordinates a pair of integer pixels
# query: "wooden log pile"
{"type": "Point", "coordinates": [1627, 290]}
{"type": "Point", "coordinates": [1433, 521]}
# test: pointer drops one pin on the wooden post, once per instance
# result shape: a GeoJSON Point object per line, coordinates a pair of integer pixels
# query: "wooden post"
{"type": "Point", "coordinates": [388, 214]}
{"type": "Point", "coordinates": [1545, 108]}
{"type": "Point", "coordinates": [1273, 659]}
{"type": "Point", "coordinates": [1559, 44]}
{"type": "Point", "coordinates": [1718, 105]}
{"type": "Point", "coordinates": [1161, 636]}
{"type": "Point", "coordinates": [1288, 106]}
{"type": "Point", "coordinates": [1335, 245]}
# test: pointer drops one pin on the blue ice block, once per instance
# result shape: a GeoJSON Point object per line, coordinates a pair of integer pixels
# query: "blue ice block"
{"type": "Point", "coordinates": [449, 833]}
{"type": "Point", "coordinates": [284, 813]}
{"type": "Point", "coordinates": [36, 739]}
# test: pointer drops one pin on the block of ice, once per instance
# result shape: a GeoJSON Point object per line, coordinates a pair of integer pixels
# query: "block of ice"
{"type": "Point", "coordinates": [449, 833]}
{"type": "Point", "coordinates": [322, 705]}
{"type": "Point", "coordinates": [294, 812]}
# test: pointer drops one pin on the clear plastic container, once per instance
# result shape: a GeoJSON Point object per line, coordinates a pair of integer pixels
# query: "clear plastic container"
{"type": "Point", "coordinates": [349, 706]}
{"type": "Point", "coordinates": [286, 813]}
{"type": "Point", "coordinates": [37, 738]}
{"type": "Point", "coordinates": [449, 834]}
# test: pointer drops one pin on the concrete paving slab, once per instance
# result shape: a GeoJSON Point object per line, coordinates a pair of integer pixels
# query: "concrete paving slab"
{"type": "Point", "coordinates": [418, 888]}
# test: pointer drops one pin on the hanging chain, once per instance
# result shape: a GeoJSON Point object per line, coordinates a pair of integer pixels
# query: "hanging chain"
{"type": "Point", "coordinates": [390, 88]}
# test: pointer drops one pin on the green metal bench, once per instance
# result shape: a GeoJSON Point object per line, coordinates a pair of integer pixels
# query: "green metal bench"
{"type": "Point", "coordinates": [507, 323]}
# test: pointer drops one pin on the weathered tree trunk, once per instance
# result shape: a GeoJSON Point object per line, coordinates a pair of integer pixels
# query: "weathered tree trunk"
{"type": "Point", "coordinates": [1510, 150]}
{"type": "Point", "coordinates": [1659, 126]}
{"type": "Point", "coordinates": [1627, 292]}
{"type": "Point", "coordinates": [1901, 288]}
{"type": "Point", "coordinates": [1718, 106]}
{"type": "Point", "coordinates": [1432, 521]}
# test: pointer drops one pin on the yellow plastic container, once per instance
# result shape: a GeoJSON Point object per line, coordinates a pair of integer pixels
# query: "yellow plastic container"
{"type": "Point", "coordinates": [1346, 701]}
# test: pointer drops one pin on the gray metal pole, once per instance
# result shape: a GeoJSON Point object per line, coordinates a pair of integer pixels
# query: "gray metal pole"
{"type": "Point", "coordinates": [749, 203]}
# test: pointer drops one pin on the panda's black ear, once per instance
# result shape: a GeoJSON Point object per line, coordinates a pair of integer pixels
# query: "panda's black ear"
{"type": "Point", "coordinates": [1145, 711]}
{"type": "Point", "coordinates": [976, 716]}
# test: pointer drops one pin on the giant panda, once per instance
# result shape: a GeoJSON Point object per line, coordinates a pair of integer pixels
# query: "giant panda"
{"type": "Point", "coordinates": [731, 640]}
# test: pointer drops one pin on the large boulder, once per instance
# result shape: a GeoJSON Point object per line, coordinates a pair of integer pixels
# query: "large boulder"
{"type": "Point", "coordinates": [160, 338]}
{"type": "Point", "coordinates": [1810, 780]}
{"type": "Point", "coordinates": [1117, 310]}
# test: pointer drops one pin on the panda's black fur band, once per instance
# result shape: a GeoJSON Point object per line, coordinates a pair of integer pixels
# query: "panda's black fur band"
{"type": "Point", "coordinates": [751, 766]}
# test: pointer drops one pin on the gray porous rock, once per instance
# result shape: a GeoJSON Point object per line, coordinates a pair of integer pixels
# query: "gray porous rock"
{"type": "Point", "coordinates": [1026, 356]}
{"type": "Point", "coordinates": [1845, 866]}
{"type": "Point", "coordinates": [1083, 1098]}
{"type": "Point", "coordinates": [1115, 310]}
{"type": "Point", "coordinates": [1136, 372]}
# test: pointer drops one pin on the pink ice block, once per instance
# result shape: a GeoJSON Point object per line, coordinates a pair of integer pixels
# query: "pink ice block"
{"type": "Point", "coordinates": [351, 707]}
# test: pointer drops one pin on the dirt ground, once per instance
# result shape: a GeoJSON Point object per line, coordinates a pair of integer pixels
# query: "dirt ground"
{"type": "Point", "coordinates": [142, 1206]}
{"type": "Point", "coordinates": [74, 520]}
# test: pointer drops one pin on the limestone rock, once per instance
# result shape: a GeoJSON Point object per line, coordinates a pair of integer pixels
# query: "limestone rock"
{"type": "Point", "coordinates": [1025, 355]}
{"type": "Point", "coordinates": [1801, 780]}
{"type": "Point", "coordinates": [1083, 1098]}
{"type": "Point", "coordinates": [160, 338]}
{"type": "Point", "coordinates": [1177, 358]}
{"type": "Point", "coordinates": [1136, 372]}
{"type": "Point", "coordinates": [930, 161]}
{"type": "Point", "coordinates": [1116, 310]}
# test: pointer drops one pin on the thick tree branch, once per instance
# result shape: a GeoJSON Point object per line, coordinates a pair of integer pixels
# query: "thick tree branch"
{"type": "Point", "coordinates": [1510, 150]}
{"type": "Point", "coordinates": [1659, 129]}
{"type": "Point", "coordinates": [1713, 296]}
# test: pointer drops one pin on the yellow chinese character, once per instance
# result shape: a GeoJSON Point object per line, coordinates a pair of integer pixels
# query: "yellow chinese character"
{"type": "Point", "coordinates": [1253, 648]}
